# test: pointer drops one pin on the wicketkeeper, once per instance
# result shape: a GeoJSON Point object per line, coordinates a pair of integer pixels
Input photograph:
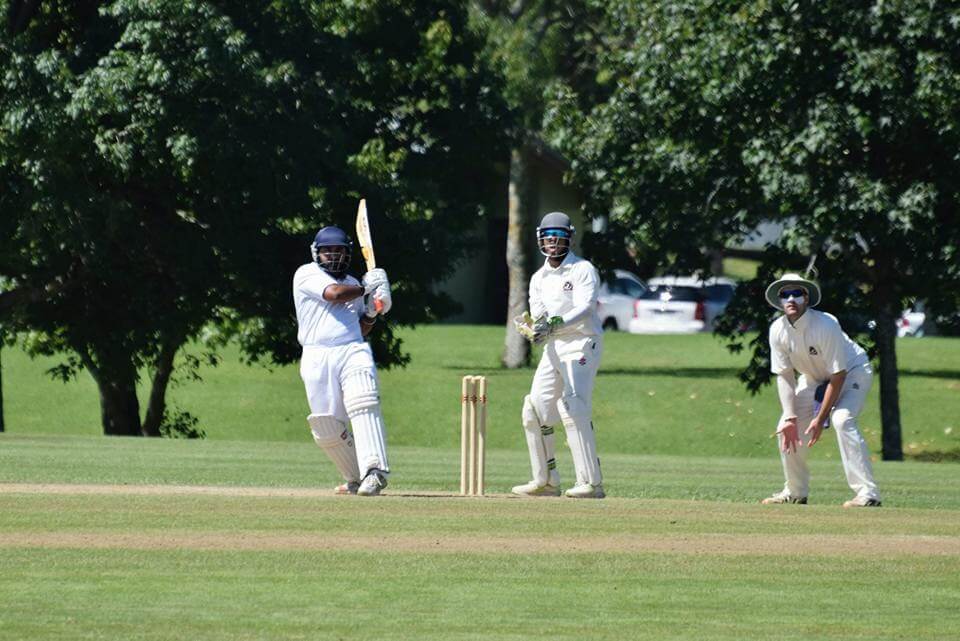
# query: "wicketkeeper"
{"type": "Point", "coordinates": [812, 343]}
{"type": "Point", "coordinates": [563, 317]}
{"type": "Point", "coordinates": [334, 313]}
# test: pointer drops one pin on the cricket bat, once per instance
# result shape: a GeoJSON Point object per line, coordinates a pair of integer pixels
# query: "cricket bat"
{"type": "Point", "coordinates": [366, 244]}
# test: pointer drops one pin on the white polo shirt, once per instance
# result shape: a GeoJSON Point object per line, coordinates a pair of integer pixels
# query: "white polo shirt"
{"type": "Point", "coordinates": [815, 346]}
{"type": "Point", "coordinates": [321, 322]}
{"type": "Point", "coordinates": [570, 290]}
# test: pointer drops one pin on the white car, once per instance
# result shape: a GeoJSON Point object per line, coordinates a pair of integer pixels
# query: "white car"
{"type": "Point", "coordinates": [680, 305]}
{"type": "Point", "coordinates": [617, 297]}
{"type": "Point", "coordinates": [911, 322]}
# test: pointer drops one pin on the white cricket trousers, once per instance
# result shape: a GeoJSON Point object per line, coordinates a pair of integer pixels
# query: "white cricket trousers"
{"type": "Point", "coordinates": [565, 377]}
{"type": "Point", "coordinates": [341, 381]}
{"type": "Point", "coordinates": [843, 419]}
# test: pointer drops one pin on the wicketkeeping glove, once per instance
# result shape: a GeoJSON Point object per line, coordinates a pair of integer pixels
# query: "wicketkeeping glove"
{"type": "Point", "coordinates": [524, 325]}
{"type": "Point", "coordinates": [543, 327]}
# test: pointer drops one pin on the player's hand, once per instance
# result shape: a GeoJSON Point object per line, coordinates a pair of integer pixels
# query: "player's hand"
{"type": "Point", "coordinates": [789, 436]}
{"type": "Point", "coordinates": [373, 279]}
{"type": "Point", "coordinates": [814, 430]}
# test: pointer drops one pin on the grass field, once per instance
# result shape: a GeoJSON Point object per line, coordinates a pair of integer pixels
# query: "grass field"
{"type": "Point", "coordinates": [238, 536]}
{"type": "Point", "coordinates": [675, 395]}
{"type": "Point", "coordinates": [130, 539]}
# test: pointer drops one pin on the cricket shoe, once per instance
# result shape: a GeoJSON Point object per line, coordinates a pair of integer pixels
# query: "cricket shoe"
{"type": "Point", "coordinates": [783, 497]}
{"type": "Point", "coordinates": [863, 501]}
{"type": "Point", "coordinates": [585, 491]}
{"type": "Point", "coordinates": [535, 489]}
{"type": "Point", "coordinates": [372, 483]}
{"type": "Point", "coordinates": [350, 487]}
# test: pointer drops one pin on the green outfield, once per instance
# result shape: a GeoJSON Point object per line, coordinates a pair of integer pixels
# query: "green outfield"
{"type": "Point", "coordinates": [676, 395]}
{"type": "Point", "coordinates": [129, 539]}
{"type": "Point", "coordinates": [238, 536]}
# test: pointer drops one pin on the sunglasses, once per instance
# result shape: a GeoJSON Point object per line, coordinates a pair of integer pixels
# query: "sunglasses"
{"type": "Point", "coordinates": [792, 293]}
{"type": "Point", "coordinates": [555, 233]}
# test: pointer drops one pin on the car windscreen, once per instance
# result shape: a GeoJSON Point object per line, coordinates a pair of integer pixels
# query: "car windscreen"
{"type": "Point", "coordinates": [630, 287]}
{"type": "Point", "coordinates": [679, 294]}
{"type": "Point", "coordinates": [719, 293]}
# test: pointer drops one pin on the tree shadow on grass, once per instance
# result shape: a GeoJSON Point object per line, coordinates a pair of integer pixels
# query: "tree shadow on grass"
{"type": "Point", "coordinates": [473, 369]}
{"type": "Point", "coordinates": [937, 456]}
{"type": "Point", "coordinates": [679, 372]}
{"type": "Point", "coordinates": [931, 373]}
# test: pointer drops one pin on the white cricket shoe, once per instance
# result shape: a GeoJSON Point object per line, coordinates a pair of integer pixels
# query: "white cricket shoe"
{"type": "Point", "coordinates": [585, 491]}
{"type": "Point", "coordinates": [535, 489]}
{"type": "Point", "coordinates": [372, 483]}
{"type": "Point", "coordinates": [348, 487]}
{"type": "Point", "coordinates": [863, 501]}
{"type": "Point", "coordinates": [783, 497]}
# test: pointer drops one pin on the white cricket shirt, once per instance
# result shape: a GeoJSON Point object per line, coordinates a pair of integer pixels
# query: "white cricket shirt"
{"type": "Point", "coordinates": [322, 322]}
{"type": "Point", "coordinates": [815, 346]}
{"type": "Point", "coordinates": [569, 290]}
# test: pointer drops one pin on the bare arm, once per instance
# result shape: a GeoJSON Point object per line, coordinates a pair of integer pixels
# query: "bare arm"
{"type": "Point", "coordinates": [787, 430]}
{"type": "Point", "coordinates": [337, 293]}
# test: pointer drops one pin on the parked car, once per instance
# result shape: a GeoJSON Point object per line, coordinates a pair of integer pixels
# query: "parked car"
{"type": "Point", "coordinates": [911, 321]}
{"type": "Point", "coordinates": [616, 299]}
{"type": "Point", "coordinates": [680, 304]}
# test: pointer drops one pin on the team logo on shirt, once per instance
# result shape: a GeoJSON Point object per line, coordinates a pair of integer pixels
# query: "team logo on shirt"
{"type": "Point", "coordinates": [567, 286]}
{"type": "Point", "coordinates": [856, 386]}
{"type": "Point", "coordinates": [813, 351]}
{"type": "Point", "coordinates": [583, 360]}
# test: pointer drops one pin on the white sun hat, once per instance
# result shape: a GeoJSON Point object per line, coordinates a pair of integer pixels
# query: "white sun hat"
{"type": "Point", "coordinates": [788, 279]}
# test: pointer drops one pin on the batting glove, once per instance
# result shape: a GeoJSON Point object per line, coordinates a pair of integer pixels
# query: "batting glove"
{"type": "Point", "coordinates": [380, 300]}
{"type": "Point", "coordinates": [373, 279]}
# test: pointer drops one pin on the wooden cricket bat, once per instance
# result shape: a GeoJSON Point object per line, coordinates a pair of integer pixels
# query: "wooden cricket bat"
{"type": "Point", "coordinates": [366, 244]}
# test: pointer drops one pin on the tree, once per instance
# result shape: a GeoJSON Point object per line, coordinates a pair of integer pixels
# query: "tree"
{"type": "Point", "coordinates": [164, 165]}
{"type": "Point", "coordinates": [532, 42]}
{"type": "Point", "coordinates": [837, 119]}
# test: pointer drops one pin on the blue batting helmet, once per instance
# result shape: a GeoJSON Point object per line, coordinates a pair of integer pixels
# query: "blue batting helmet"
{"type": "Point", "coordinates": [334, 262]}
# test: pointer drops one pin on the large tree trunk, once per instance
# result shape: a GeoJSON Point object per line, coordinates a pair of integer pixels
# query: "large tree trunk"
{"type": "Point", "coordinates": [2, 426]}
{"type": "Point", "coordinates": [157, 404]}
{"type": "Point", "coordinates": [889, 389]}
{"type": "Point", "coordinates": [116, 379]}
{"type": "Point", "coordinates": [516, 352]}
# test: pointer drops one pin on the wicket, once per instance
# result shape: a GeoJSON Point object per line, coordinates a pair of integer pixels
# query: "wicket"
{"type": "Point", "coordinates": [473, 434]}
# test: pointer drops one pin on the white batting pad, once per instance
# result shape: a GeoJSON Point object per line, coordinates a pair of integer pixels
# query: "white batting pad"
{"type": "Point", "coordinates": [361, 397]}
{"type": "Point", "coordinates": [542, 446]}
{"type": "Point", "coordinates": [580, 437]}
{"type": "Point", "coordinates": [334, 438]}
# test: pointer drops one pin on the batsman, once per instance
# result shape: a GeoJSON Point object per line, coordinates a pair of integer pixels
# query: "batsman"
{"type": "Point", "coordinates": [335, 312]}
{"type": "Point", "coordinates": [563, 317]}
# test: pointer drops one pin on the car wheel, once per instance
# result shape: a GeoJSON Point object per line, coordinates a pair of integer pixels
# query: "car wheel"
{"type": "Point", "coordinates": [610, 325]}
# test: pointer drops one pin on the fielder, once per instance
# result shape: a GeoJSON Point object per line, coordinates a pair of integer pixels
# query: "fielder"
{"type": "Point", "coordinates": [334, 313]}
{"type": "Point", "coordinates": [812, 343]}
{"type": "Point", "coordinates": [563, 316]}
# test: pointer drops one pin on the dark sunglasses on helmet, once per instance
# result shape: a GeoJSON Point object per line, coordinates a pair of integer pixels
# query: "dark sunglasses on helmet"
{"type": "Point", "coordinates": [555, 233]}
{"type": "Point", "coordinates": [794, 293]}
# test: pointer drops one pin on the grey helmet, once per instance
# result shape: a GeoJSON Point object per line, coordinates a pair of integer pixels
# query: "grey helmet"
{"type": "Point", "coordinates": [555, 229]}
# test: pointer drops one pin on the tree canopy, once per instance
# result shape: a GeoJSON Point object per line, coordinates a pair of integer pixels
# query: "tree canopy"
{"type": "Point", "coordinates": [164, 165]}
{"type": "Point", "coordinates": [838, 119]}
